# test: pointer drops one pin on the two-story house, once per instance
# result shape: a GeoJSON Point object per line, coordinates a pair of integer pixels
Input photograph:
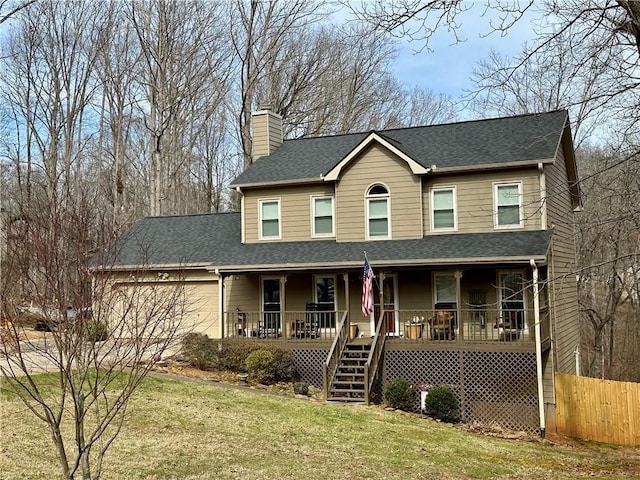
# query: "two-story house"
{"type": "Point", "coordinates": [468, 230]}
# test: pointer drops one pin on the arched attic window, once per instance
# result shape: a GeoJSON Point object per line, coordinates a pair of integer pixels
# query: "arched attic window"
{"type": "Point", "coordinates": [378, 211]}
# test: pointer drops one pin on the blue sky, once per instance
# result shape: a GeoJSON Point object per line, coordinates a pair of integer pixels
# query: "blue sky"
{"type": "Point", "coordinates": [448, 67]}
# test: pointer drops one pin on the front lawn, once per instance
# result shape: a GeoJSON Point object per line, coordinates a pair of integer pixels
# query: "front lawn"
{"type": "Point", "coordinates": [186, 430]}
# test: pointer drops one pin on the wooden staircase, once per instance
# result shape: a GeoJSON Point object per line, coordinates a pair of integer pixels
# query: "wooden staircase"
{"type": "Point", "coordinates": [348, 383]}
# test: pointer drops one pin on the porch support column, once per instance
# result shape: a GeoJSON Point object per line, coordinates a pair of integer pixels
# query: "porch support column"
{"type": "Point", "coordinates": [536, 316]}
{"type": "Point", "coordinates": [284, 324]}
{"type": "Point", "coordinates": [222, 316]}
{"type": "Point", "coordinates": [381, 288]}
{"type": "Point", "coordinates": [345, 278]}
{"type": "Point", "coordinates": [458, 276]}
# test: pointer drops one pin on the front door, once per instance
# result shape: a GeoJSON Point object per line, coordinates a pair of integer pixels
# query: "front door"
{"type": "Point", "coordinates": [270, 307]}
{"type": "Point", "coordinates": [389, 302]}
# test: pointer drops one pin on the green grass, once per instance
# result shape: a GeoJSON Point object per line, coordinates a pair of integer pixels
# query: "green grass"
{"type": "Point", "coordinates": [185, 430]}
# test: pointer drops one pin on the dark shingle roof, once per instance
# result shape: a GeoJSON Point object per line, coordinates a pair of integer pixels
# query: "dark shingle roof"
{"type": "Point", "coordinates": [214, 240]}
{"type": "Point", "coordinates": [524, 138]}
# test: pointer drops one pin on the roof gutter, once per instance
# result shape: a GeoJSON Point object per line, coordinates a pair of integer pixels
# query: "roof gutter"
{"type": "Point", "coordinates": [380, 263]}
{"type": "Point", "coordinates": [277, 183]}
{"type": "Point", "coordinates": [496, 166]}
{"type": "Point", "coordinates": [154, 266]}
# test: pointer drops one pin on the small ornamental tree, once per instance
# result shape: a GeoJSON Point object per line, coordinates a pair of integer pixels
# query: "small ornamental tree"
{"type": "Point", "coordinates": [97, 353]}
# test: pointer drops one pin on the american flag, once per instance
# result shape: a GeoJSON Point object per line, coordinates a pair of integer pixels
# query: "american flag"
{"type": "Point", "coordinates": [367, 289]}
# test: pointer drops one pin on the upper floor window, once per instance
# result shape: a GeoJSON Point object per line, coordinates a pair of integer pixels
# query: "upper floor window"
{"type": "Point", "coordinates": [323, 225]}
{"type": "Point", "coordinates": [443, 209]}
{"type": "Point", "coordinates": [378, 213]}
{"type": "Point", "coordinates": [269, 219]}
{"type": "Point", "coordinates": [508, 205]}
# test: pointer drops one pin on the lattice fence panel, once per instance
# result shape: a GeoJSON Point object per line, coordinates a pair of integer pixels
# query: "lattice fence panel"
{"type": "Point", "coordinates": [501, 389]}
{"type": "Point", "coordinates": [309, 365]}
{"type": "Point", "coordinates": [493, 388]}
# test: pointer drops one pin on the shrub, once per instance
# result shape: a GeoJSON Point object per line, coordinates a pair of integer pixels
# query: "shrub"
{"type": "Point", "coordinates": [260, 366]}
{"type": "Point", "coordinates": [96, 331]}
{"type": "Point", "coordinates": [284, 366]}
{"type": "Point", "coordinates": [200, 351]}
{"type": "Point", "coordinates": [441, 403]}
{"type": "Point", "coordinates": [233, 355]}
{"type": "Point", "coordinates": [271, 364]}
{"type": "Point", "coordinates": [301, 388]}
{"type": "Point", "coordinates": [401, 394]}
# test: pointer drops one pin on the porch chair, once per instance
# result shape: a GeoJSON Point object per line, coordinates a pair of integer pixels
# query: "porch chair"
{"type": "Point", "coordinates": [309, 327]}
{"type": "Point", "coordinates": [442, 326]}
{"type": "Point", "coordinates": [511, 322]}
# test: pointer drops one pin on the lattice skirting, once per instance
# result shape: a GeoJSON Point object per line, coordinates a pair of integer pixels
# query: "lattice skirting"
{"type": "Point", "coordinates": [493, 388]}
{"type": "Point", "coordinates": [309, 365]}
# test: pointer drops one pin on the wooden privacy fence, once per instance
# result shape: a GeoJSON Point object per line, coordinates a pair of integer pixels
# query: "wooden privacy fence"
{"type": "Point", "coordinates": [601, 410]}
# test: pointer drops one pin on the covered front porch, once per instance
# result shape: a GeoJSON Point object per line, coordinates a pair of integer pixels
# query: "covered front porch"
{"type": "Point", "coordinates": [469, 305]}
{"type": "Point", "coordinates": [405, 326]}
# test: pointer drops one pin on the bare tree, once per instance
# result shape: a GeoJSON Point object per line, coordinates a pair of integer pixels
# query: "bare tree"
{"type": "Point", "coordinates": [104, 335]}
{"type": "Point", "coordinates": [47, 82]}
{"type": "Point", "coordinates": [608, 238]}
{"type": "Point", "coordinates": [8, 8]}
{"type": "Point", "coordinates": [183, 64]}
{"type": "Point", "coordinates": [259, 32]}
{"type": "Point", "coordinates": [544, 81]}
{"type": "Point", "coordinates": [116, 74]}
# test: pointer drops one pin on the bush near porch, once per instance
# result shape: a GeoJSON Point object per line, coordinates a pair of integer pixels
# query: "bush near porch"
{"type": "Point", "coordinates": [210, 354]}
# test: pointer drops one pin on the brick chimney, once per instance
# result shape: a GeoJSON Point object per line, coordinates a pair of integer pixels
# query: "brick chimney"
{"type": "Point", "coordinates": [267, 133]}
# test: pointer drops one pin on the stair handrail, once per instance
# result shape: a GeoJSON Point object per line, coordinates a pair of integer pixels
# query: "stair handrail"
{"type": "Point", "coordinates": [373, 361]}
{"type": "Point", "coordinates": [333, 358]}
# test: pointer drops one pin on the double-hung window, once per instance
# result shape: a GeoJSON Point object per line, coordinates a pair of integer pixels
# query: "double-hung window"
{"type": "Point", "coordinates": [323, 224]}
{"type": "Point", "coordinates": [508, 205]}
{"type": "Point", "coordinates": [378, 208]}
{"type": "Point", "coordinates": [269, 219]}
{"type": "Point", "coordinates": [446, 288]}
{"type": "Point", "coordinates": [443, 209]}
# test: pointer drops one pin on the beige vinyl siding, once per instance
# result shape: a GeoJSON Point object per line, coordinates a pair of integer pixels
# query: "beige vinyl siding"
{"type": "Point", "coordinates": [475, 198]}
{"type": "Point", "coordinates": [415, 290]}
{"type": "Point", "coordinates": [562, 269]}
{"type": "Point", "coordinates": [266, 133]}
{"type": "Point", "coordinates": [198, 302]}
{"type": "Point", "coordinates": [295, 210]}
{"type": "Point", "coordinates": [299, 291]}
{"type": "Point", "coordinates": [202, 308]}
{"type": "Point", "coordinates": [377, 165]}
{"type": "Point", "coordinates": [242, 292]}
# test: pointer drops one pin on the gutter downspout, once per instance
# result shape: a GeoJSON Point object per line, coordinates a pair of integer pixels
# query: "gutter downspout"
{"type": "Point", "coordinates": [221, 316]}
{"type": "Point", "coordinates": [536, 314]}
